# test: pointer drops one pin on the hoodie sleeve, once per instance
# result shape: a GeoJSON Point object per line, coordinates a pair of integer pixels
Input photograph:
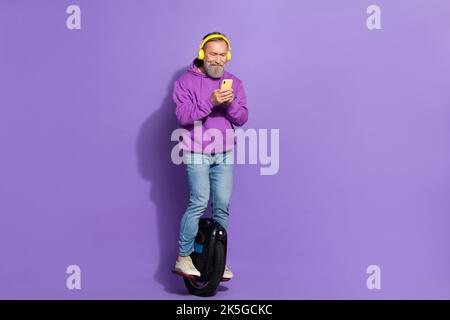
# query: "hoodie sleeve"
{"type": "Point", "coordinates": [237, 111]}
{"type": "Point", "coordinates": [185, 109]}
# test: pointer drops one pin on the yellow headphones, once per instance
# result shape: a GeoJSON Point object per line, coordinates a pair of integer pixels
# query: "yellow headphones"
{"type": "Point", "coordinates": [201, 53]}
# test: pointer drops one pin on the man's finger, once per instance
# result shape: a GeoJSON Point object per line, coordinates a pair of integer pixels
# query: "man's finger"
{"type": "Point", "coordinates": [225, 97]}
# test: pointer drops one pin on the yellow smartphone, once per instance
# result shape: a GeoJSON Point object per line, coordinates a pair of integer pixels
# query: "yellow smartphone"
{"type": "Point", "coordinates": [226, 84]}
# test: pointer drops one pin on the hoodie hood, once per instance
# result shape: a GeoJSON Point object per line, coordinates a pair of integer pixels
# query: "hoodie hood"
{"type": "Point", "coordinates": [193, 68]}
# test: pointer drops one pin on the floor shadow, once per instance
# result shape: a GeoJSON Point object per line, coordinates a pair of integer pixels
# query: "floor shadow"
{"type": "Point", "coordinates": [221, 288]}
{"type": "Point", "coordinates": [168, 185]}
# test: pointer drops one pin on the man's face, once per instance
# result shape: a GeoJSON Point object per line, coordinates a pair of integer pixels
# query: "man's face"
{"type": "Point", "coordinates": [215, 58]}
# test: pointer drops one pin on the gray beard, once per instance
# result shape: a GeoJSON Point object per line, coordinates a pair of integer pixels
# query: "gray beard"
{"type": "Point", "coordinates": [211, 72]}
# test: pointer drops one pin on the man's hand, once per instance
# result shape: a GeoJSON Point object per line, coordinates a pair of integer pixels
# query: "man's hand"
{"type": "Point", "coordinates": [220, 97]}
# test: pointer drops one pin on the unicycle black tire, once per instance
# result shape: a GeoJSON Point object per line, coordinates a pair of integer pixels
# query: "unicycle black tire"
{"type": "Point", "coordinates": [208, 288]}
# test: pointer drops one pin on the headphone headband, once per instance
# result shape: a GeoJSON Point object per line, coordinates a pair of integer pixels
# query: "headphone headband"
{"type": "Point", "coordinates": [215, 36]}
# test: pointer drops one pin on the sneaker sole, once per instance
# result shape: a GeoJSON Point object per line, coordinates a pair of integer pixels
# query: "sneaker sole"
{"type": "Point", "coordinates": [184, 275]}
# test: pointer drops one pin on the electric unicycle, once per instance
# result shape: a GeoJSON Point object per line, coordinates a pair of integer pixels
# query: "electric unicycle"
{"type": "Point", "coordinates": [209, 256]}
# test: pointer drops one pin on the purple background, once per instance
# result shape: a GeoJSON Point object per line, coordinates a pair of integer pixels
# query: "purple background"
{"type": "Point", "coordinates": [85, 171]}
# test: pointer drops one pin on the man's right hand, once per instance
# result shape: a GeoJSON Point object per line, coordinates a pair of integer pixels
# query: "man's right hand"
{"type": "Point", "coordinates": [219, 97]}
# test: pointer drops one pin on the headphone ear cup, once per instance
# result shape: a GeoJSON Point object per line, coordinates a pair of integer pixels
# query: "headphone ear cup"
{"type": "Point", "coordinates": [201, 54]}
{"type": "Point", "coordinates": [229, 55]}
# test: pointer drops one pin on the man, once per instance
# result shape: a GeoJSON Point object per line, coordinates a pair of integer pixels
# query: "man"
{"type": "Point", "coordinates": [198, 98]}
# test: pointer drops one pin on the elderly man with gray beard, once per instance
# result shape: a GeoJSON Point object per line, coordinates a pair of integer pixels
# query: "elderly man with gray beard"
{"type": "Point", "coordinates": [197, 97]}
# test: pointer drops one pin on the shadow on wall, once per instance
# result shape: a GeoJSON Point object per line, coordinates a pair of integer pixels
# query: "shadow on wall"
{"type": "Point", "coordinates": [168, 185]}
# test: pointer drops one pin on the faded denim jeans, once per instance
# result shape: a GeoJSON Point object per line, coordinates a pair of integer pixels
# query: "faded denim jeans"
{"type": "Point", "coordinates": [208, 175]}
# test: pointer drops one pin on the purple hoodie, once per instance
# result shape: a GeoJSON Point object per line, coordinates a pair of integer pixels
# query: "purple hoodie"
{"type": "Point", "coordinates": [192, 96]}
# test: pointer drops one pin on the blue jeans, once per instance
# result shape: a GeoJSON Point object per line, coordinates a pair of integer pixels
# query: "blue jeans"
{"type": "Point", "coordinates": [207, 175]}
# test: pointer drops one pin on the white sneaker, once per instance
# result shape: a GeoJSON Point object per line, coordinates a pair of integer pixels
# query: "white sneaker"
{"type": "Point", "coordinates": [227, 274]}
{"type": "Point", "coordinates": [185, 267]}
